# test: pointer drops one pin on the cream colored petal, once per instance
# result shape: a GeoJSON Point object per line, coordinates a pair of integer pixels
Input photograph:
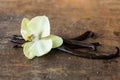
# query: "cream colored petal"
{"type": "Point", "coordinates": [56, 40]}
{"type": "Point", "coordinates": [37, 48]}
{"type": "Point", "coordinates": [24, 29]}
{"type": "Point", "coordinates": [39, 26]}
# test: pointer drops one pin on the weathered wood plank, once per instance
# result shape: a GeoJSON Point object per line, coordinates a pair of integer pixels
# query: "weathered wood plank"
{"type": "Point", "coordinates": [69, 18]}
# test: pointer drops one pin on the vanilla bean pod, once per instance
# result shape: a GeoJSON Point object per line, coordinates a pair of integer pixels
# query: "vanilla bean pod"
{"type": "Point", "coordinates": [89, 55]}
{"type": "Point", "coordinates": [79, 44]}
{"type": "Point", "coordinates": [86, 35]}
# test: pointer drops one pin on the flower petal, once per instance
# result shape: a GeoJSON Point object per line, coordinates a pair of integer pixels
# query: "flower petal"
{"type": "Point", "coordinates": [56, 41]}
{"type": "Point", "coordinates": [39, 26]}
{"type": "Point", "coordinates": [24, 29]}
{"type": "Point", "coordinates": [37, 48]}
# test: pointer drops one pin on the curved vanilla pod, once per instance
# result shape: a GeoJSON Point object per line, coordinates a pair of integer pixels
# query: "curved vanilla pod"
{"type": "Point", "coordinates": [79, 44]}
{"type": "Point", "coordinates": [96, 44]}
{"type": "Point", "coordinates": [86, 35]}
{"type": "Point", "coordinates": [17, 46]}
{"type": "Point", "coordinates": [18, 39]}
{"type": "Point", "coordinates": [89, 55]}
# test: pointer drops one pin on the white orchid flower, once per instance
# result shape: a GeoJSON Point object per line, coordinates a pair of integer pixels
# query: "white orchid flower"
{"type": "Point", "coordinates": [37, 32]}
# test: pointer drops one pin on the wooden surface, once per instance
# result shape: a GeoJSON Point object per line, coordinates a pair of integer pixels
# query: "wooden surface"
{"type": "Point", "coordinates": [68, 18]}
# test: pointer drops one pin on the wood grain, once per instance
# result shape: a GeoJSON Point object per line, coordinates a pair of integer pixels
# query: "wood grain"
{"type": "Point", "coordinates": [68, 18]}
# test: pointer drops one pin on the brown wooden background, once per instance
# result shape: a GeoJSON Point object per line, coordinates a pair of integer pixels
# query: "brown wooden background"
{"type": "Point", "coordinates": [68, 18]}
